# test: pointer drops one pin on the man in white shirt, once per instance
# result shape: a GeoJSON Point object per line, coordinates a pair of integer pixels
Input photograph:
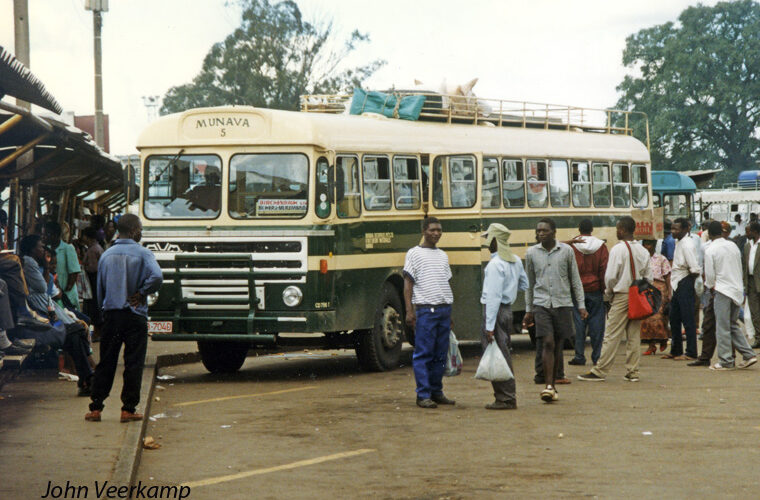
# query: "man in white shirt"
{"type": "Point", "coordinates": [751, 275]}
{"type": "Point", "coordinates": [617, 280]}
{"type": "Point", "coordinates": [685, 270]}
{"type": "Point", "coordinates": [723, 270]}
{"type": "Point", "coordinates": [428, 298]}
{"type": "Point", "coordinates": [740, 226]}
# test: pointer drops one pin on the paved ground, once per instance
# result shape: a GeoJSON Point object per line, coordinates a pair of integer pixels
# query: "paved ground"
{"type": "Point", "coordinates": [311, 425]}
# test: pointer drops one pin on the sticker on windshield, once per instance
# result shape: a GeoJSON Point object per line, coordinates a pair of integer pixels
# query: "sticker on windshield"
{"type": "Point", "coordinates": [279, 207]}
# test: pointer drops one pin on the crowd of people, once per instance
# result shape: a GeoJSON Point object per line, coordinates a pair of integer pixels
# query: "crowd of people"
{"type": "Point", "coordinates": [43, 289]}
{"type": "Point", "coordinates": [579, 289]}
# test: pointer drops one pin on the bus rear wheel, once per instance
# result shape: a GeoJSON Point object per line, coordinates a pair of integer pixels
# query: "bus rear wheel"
{"type": "Point", "coordinates": [379, 349]}
{"type": "Point", "coordinates": [222, 357]}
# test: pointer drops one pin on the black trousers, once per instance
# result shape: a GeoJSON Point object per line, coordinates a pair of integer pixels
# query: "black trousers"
{"type": "Point", "coordinates": [502, 391]}
{"type": "Point", "coordinates": [78, 346]}
{"type": "Point", "coordinates": [120, 327]}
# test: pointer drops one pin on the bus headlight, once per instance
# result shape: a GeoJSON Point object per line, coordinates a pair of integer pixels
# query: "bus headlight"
{"type": "Point", "coordinates": [151, 299]}
{"type": "Point", "coordinates": [292, 296]}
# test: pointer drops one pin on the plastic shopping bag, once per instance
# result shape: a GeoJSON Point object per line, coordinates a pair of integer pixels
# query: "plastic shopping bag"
{"type": "Point", "coordinates": [493, 366]}
{"type": "Point", "coordinates": [454, 359]}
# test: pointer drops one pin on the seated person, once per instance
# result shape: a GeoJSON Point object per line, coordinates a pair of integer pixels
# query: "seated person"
{"type": "Point", "coordinates": [75, 332]}
{"type": "Point", "coordinates": [54, 289]}
{"type": "Point", "coordinates": [7, 346]}
{"type": "Point", "coordinates": [206, 196]}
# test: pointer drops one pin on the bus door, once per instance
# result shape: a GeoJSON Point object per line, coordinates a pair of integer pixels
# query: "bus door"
{"type": "Point", "coordinates": [454, 200]}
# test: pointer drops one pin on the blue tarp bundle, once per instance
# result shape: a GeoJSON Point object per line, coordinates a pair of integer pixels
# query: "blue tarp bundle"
{"type": "Point", "coordinates": [406, 108]}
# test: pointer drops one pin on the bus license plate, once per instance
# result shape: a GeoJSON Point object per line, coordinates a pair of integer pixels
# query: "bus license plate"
{"type": "Point", "coordinates": [160, 326]}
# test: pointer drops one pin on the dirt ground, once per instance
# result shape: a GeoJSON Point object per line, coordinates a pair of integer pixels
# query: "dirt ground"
{"type": "Point", "coordinates": [312, 425]}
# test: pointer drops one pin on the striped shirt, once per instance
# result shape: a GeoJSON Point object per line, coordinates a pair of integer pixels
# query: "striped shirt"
{"type": "Point", "coordinates": [429, 269]}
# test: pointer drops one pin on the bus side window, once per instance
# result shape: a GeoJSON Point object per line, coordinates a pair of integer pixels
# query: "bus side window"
{"type": "Point", "coordinates": [377, 182]}
{"type": "Point", "coordinates": [560, 184]}
{"type": "Point", "coordinates": [621, 185]}
{"type": "Point", "coordinates": [640, 186]}
{"type": "Point", "coordinates": [537, 180]}
{"type": "Point", "coordinates": [454, 184]}
{"type": "Point", "coordinates": [406, 183]}
{"type": "Point", "coordinates": [348, 199]}
{"type": "Point", "coordinates": [490, 189]}
{"type": "Point", "coordinates": [601, 184]}
{"type": "Point", "coordinates": [322, 192]}
{"type": "Point", "coordinates": [514, 183]}
{"type": "Point", "coordinates": [581, 184]}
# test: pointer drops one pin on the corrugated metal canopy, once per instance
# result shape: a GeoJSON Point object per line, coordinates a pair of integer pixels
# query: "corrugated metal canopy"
{"type": "Point", "coordinates": [16, 80]}
{"type": "Point", "coordinates": [728, 196]}
{"type": "Point", "coordinates": [62, 156]}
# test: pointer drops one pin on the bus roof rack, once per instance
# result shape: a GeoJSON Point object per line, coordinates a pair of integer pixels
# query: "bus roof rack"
{"type": "Point", "coordinates": [473, 110]}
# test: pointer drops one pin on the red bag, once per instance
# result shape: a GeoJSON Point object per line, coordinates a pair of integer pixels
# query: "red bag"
{"type": "Point", "coordinates": [643, 299]}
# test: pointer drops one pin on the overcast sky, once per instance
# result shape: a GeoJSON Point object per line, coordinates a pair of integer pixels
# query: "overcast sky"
{"type": "Point", "coordinates": [555, 51]}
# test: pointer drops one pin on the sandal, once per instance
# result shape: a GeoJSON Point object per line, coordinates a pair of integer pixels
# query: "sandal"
{"type": "Point", "coordinates": [667, 356]}
{"type": "Point", "coordinates": [650, 351]}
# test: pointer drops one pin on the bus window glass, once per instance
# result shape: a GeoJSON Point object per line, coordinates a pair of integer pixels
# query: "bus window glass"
{"type": "Point", "coordinates": [640, 185]}
{"type": "Point", "coordinates": [454, 184]}
{"type": "Point", "coordinates": [581, 184]}
{"type": "Point", "coordinates": [490, 190]}
{"type": "Point", "coordinates": [348, 199]}
{"type": "Point", "coordinates": [601, 173]}
{"type": "Point", "coordinates": [560, 185]}
{"type": "Point", "coordinates": [655, 200]}
{"type": "Point", "coordinates": [406, 182]}
{"type": "Point", "coordinates": [377, 182]}
{"type": "Point", "coordinates": [676, 205]}
{"type": "Point", "coordinates": [514, 183]}
{"type": "Point", "coordinates": [537, 180]}
{"type": "Point", "coordinates": [183, 187]}
{"type": "Point", "coordinates": [268, 186]}
{"type": "Point", "coordinates": [621, 185]}
{"type": "Point", "coordinates": [323, 189]}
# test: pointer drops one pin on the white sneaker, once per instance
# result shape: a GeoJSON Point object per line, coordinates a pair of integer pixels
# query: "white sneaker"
{"type": "Point", "coordinates": [747, 363]}
{"type": "Point", "coordinates": [720, 368]}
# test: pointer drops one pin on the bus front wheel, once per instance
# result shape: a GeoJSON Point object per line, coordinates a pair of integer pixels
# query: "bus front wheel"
{"type": "Point", "coordinates": [379, 349]}
{"type": "Point", "coordinates": [222, 357]}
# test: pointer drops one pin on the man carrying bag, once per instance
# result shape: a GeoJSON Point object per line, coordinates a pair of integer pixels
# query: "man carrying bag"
{"type": "Point", "coordinates": [504, 276]}
{"type": "Point", "coordinates": [628, 262]}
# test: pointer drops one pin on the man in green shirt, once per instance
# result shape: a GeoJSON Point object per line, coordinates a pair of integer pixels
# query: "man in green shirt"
{"type": "Point", "coordinates": [68, 264]}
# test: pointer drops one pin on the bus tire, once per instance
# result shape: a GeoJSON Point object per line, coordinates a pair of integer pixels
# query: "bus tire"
{"type": "Point", "coordinates": [222, 357]}
{"type": "Point", "coordinates": [379, 349]}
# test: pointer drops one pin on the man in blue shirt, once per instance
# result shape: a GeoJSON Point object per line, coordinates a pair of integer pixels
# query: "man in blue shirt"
{"type": "Point", "coordinates": [127, 274]}
{"type": "Point", "coordinates": [504, 276]}
{"type": "Point", "coordinates": [668, 243]}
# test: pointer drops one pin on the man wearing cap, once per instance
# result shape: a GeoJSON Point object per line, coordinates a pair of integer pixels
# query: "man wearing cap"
{"type": "Point", "coordinates": [504, 276]}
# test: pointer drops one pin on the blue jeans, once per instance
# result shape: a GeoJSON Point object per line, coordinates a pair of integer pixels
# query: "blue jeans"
{"type": "Point", "coordinates": [431, 345]}
{"type": "Point", "coordinates": [595, 324]}
{"type": "Point", "coordinates": [682, 313]}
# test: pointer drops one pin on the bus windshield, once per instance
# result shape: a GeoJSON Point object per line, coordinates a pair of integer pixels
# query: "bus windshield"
{"type": "Point", "coordinates": [268, 185]}
{"type": "Point", "coordinates": [183, 187]}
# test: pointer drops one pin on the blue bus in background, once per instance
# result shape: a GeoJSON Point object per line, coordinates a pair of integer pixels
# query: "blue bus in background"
{"type": "Point", "coordinates": [674, 192]}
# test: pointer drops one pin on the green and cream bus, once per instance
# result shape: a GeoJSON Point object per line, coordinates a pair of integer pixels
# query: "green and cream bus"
{"type": "Point", "coordinates": [280, 228]}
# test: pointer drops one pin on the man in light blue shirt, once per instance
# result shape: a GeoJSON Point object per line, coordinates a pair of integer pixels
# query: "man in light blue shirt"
{"type": "Point", "coordinates": [127, 274]}
{"type": "Point", "coordinates": [504, 277]}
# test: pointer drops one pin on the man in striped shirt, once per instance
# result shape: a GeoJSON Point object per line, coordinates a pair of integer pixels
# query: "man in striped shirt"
{"type": "Point", "coordinates": [428, 300]}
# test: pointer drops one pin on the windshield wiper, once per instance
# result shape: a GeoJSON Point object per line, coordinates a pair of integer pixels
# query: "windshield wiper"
{"type": "Point", "coordinates": [170, 164]}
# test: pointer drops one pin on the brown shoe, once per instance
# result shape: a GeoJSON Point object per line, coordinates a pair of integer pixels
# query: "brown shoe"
{"type": "Point", "coordinates": [561, 381]}
{"type": "Point", "coordinates": [683, 357]}
{"type": "Point", "coordinates": [92, 416]}
{"type": "Point", "coordinates": [127, 416]}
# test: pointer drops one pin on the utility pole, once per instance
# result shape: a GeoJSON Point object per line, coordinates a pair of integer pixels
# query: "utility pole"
{"type": "Point", "coordinates": [98, 6]}
{"type": "Point", "coordinates": [21, 38]}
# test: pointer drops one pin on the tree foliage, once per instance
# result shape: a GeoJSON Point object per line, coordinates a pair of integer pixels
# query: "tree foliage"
{"type": "Point", "coordinates": [697, 80]}
{"type": "Point", "coordinates": [270, 60]}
